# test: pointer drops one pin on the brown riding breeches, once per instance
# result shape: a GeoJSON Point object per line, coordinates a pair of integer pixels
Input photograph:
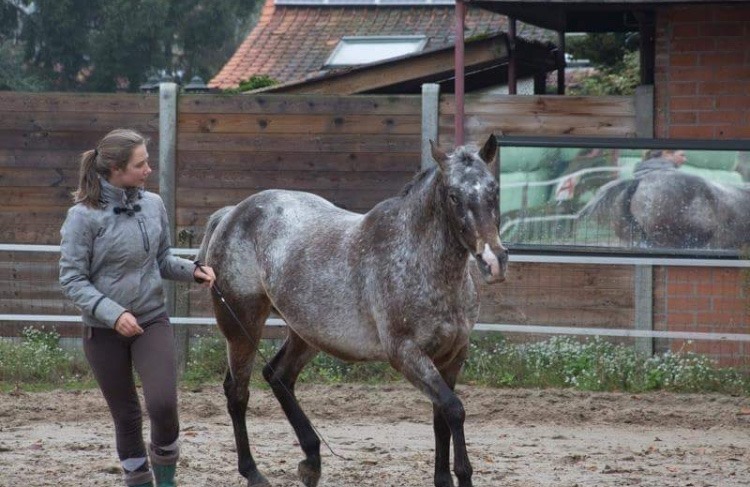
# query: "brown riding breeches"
{"type": "Point", "coordinates": [112, 358]}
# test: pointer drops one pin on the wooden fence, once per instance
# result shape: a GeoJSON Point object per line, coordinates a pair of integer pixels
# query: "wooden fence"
{"type": "Point", "coordinates": [353, 150]}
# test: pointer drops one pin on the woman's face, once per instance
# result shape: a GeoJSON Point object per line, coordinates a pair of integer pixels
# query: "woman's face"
{"type": "Point", "coordinates": [135, 172]}
{"type": "Point", "coordinates": [678, 157]}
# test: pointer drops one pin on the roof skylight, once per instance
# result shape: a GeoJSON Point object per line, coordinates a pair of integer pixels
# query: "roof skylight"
{"type": "Point", "coordinates": [352, 51]}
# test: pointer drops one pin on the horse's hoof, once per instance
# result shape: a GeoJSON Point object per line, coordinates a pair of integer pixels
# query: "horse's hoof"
{"type": "Point", "coordinates": [308, 474]}
{"type": "Point", "coordinates": [256, 479]}
{"type": "Point", "coordinates": [444, 481]}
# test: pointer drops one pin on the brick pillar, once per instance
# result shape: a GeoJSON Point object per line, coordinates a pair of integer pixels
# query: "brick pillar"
{"type": "Point", "coordinates": [702, 73]}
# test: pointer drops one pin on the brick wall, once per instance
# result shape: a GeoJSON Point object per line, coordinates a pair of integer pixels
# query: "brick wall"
{"type": "Point", "coordinates": [708, 300]}
{"type": "Point", "coordinates": [702, 85]}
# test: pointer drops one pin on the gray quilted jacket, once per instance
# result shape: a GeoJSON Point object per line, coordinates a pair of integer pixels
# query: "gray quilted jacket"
{"type": "Point", "coordinates": [113, 258]}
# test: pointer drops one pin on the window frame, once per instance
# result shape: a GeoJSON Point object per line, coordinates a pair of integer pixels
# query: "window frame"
{"type": "Point", "coordinates": [561, 142]}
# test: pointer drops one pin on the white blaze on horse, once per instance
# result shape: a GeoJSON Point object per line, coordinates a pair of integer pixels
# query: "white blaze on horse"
{"type": "Point", "coordinates": [670, 208]}
{"type": "Point", "coordinates": [391, 285]}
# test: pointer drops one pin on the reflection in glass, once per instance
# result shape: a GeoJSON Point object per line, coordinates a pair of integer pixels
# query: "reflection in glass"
{"type": "Point", "coordinates": [625, 198]}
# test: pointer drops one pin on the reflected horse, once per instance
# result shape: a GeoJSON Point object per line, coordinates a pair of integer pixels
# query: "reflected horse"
{"type": "Point", "coordinates": [391, 285]}
{"type": "Point", "coordinates": [670, 208]}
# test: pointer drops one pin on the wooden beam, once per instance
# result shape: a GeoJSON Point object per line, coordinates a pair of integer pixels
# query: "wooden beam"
{"type": "Point", "coordinates": [433, 64]}
{"type": "Point", "coordinates": [647, 28]}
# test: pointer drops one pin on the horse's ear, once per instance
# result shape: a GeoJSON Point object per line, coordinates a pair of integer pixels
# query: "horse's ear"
{"type": "Point", "coordinates": [489, 151]}
{"type": "Point", "coordinates": [438, 155]}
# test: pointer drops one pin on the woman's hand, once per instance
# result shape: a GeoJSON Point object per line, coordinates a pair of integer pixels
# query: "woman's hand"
{"type": "Point", "coordinates": [204, 275]}
{"type": "Point", "coordinates": [127, 325]}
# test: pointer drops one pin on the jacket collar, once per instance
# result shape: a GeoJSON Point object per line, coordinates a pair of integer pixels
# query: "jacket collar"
{"type": "Point", "coordinates": [119, 196]}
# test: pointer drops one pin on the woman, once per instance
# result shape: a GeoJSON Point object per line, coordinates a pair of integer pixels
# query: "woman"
{"type": "Point", "coordinates": [115, 251]}
{"type": "Point", "coordinates": [656, 159]}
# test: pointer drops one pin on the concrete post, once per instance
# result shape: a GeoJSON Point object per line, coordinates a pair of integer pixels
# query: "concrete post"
{"type": "Point", "coordinates": [644, 111]}
{"type": "Point", "coordinates": [167, 150]}
{"type": "Point", "coordinates": [644, 308]}
{"type": "Point", "coordinates": [167, 162]}
{"type": "Point", "coordinates": [430, 114]}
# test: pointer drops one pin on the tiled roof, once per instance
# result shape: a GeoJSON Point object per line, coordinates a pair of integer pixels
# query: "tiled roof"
{"type": "Point", "coordinates": [290, 43]}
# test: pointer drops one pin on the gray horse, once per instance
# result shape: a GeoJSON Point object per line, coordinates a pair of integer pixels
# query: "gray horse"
{"type": "Point", "coordinates": [670, 208]}
{"type": "Point", "coordinates": [391, 285]}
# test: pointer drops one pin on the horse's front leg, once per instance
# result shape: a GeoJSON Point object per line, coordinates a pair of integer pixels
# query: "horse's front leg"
{"type": "Point", "coordinates": [448, 414]}
{"type": "Point", "coordinates": [442, 428]}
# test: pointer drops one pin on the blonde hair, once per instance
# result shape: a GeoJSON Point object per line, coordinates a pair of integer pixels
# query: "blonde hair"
{"type": "Point", "coordinates": [112, 151]}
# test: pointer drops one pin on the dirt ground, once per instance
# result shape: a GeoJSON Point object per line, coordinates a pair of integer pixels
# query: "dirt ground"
{"type": "Point", "coordinates": [516, 438]}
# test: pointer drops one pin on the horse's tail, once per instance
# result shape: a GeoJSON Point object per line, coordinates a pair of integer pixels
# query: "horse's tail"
{"type": "Point", "coordinates": [607, 195]}
{"type": "Point", "coordinates": [626, 212]}
{"type": "Point", "coordinates": [213, 222]}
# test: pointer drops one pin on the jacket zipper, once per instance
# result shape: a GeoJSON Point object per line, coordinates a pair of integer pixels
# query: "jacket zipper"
{"type": "Point", "coordinates": [144, 234]}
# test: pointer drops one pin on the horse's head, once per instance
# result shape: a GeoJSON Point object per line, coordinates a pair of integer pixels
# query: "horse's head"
{"type": "Point", "coordinates": [469, 192]}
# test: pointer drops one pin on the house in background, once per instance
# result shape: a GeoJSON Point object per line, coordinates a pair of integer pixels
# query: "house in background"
{"type": "Point", "coordinates": [384, 46]}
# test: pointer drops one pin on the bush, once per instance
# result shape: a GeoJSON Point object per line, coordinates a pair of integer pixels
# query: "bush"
{"type": "Point", "coordinates": [252, 83]}
{"type": "Point", "coordinates": [38, 358]}
{"type": "Point", "coordinates": [594, 365]}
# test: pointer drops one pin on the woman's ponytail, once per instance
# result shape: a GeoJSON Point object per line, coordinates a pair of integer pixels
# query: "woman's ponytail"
{"type": "Point", "coordinates": [89, 188]}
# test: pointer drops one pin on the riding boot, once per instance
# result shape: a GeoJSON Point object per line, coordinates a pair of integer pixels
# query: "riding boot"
{"type": "Point", "coordinates": [140, 477]}
{"type": "Point", "coordinates": [164, 463]}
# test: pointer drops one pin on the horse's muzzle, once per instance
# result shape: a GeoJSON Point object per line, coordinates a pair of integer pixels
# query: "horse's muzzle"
{"type": "Point", "coordinates": [493, 264]}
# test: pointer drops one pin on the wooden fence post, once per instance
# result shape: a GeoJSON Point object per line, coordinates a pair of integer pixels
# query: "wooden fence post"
{"type": "Point", "coordinates": [430, 114]}
{"type": "Point", "coordinates": [167, 156]}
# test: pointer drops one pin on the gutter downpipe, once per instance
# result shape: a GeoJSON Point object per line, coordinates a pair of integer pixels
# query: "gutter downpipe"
{"type": "Point", "coordinates": [459, 73]}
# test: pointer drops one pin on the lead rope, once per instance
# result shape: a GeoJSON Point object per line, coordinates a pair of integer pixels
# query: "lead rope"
{"type": "Point", "coordinates": [220, 295]}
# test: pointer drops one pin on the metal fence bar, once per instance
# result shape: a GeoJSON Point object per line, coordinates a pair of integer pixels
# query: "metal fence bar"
{"type": "Point", "coordinates": [493, 327]}
{"type": "Point", "coordinates": [514, 257]}
{"type": "Point", "coordinates": [613, 332]}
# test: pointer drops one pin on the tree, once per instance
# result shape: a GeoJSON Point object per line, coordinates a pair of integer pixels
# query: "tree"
{"type": "Point", "coordinates": [104, 45]}
{"type": "Point", "coordinates": [13, 76]}
{"type": "Point", "coordinates": [616, 59]}
{"type": "Point", "coordinates": [13, 72]}
{"type": "Point", "coordinates": [127, 43]}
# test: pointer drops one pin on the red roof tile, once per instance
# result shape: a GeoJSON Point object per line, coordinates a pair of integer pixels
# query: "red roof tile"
{"type": "Point", "coordinates": [290, 43]}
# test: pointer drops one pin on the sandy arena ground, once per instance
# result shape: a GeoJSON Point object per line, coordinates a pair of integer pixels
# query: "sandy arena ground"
{"type": "Point", "coordinates": [516, 438]}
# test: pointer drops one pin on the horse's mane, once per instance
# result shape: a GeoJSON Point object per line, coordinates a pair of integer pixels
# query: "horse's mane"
{"type": "Point", "coordinates": [418, 181]}
{"type": "Point", "coordinates": [464, 154]}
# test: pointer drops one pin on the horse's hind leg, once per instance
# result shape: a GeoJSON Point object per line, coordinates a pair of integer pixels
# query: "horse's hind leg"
{"type": "Point", "coordinates": [242, 343]}
{"type": "Point", "coordinates": [281, 373]}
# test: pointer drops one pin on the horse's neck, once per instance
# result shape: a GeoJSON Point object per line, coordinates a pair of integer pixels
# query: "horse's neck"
{"type": "Point", "coordinates": [427, 229]}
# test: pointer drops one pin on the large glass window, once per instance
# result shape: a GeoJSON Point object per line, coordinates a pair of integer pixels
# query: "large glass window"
{"type": "Point", "coordinates": [626, 195]}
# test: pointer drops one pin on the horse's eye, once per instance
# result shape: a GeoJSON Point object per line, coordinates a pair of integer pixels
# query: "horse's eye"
{"type": "Point", "coordinates": [453, 198]}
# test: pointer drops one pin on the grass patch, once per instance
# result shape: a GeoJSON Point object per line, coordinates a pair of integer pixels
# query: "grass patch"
{"type": "Point", "coordinates": [37, 362]}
